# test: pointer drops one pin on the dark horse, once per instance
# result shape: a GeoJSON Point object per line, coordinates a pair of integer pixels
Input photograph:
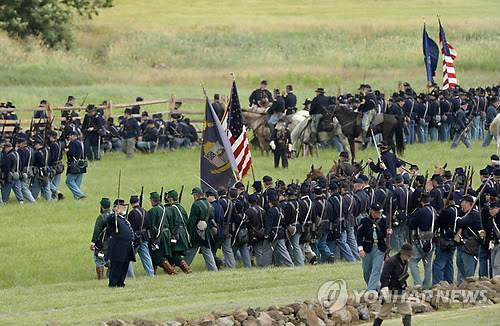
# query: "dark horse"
{"type": "Point", "coordinates": [391, 128]}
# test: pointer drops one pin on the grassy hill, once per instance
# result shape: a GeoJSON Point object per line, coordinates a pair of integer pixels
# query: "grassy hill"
{"type": "Point", "coordinates": [155, 48]}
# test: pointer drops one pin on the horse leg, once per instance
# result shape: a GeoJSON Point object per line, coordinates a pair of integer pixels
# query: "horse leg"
{"type": "Point", "coordinates": [352, 144]}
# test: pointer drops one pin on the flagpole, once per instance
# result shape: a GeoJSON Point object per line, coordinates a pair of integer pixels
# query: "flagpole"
{"type": "Point", "coordinates": [235, 175]}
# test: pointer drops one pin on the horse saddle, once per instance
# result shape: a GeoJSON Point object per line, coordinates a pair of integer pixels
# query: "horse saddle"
{"type": "Point", "coordinates": [378, 119]}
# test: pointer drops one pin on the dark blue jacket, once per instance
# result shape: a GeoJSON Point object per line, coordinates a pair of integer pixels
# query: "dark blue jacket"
{"type": "Point", "coordinates": [120, 248]}
{"type": "Point", "coordinates": [365, 233]}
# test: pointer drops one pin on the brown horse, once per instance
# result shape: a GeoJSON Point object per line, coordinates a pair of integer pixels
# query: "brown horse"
{"type": "Point", "coordinates": [257, 122]}
{"type": "Point", "coordinates": [315, 174]}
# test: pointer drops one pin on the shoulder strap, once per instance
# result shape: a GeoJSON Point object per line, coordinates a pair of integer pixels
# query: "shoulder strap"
{"type": "Point", "coordinates": [161, 222]}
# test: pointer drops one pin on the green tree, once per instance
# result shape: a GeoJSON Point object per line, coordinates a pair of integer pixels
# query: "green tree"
{"type": "Point", "coordinates": [50, 20]}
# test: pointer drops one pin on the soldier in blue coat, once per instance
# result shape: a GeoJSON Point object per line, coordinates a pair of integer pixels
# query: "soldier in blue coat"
{"type": "Point", "coordinates": [120, 247]}
{"type": "Point", "coordinates": [371, 235]}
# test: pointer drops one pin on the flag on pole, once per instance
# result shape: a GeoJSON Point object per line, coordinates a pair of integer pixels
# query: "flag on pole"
{"type": "Point", "coordinates": [237, 134]}
{"type": "Point", "coordinates": [431, 55]}
{"type": "Point", "coordinates": [217, 164]}
{"type": "Point", "coordinates": [449, 55]}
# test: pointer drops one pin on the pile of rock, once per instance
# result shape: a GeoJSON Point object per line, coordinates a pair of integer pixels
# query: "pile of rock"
{"type": "Point", "coordinates": [313, 313]}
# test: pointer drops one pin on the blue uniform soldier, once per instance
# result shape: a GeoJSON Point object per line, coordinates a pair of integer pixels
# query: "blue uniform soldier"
{"type": "Point", "coordinates": [372, 232]}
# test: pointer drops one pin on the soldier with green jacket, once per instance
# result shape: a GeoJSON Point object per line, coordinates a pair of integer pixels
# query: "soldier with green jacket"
{"type": "Point", "coordinates": [99, 243]}
{"type": "Point", "coordinates": [159, 243]}
{"type": "Point", "coordinates": [201, 226]}
{"type": "Point", "coordinates": [180, 239]}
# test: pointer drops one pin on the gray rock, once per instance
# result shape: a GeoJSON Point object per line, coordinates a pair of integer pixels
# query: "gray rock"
{"type": "Point", "coordinates": [309, 317]}
{"type": "Point", "coordinates": [172, 323]}
{"type": "Point", "coordinates": [341, 317]}
{"type": "Point", "coordinates": [225, 321]}
{"type": "Point", "coordinates": [354, 313]}
{"type": "Point", "coordinates": [276, 315]}
{"type": "Point", "coordinates": [265, 320]}
{"type": "Point", "coordinates": [240, 314]}
{"type": "Point", "coordinates": [251, 321]}
{"type": "Point", "coordinates": [142, 322]}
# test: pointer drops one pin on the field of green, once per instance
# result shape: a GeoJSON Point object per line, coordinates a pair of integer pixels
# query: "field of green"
{"type": "Point", "coordinates": [156, 48]}
{"type": "Point", "coordinates": [47, 272]}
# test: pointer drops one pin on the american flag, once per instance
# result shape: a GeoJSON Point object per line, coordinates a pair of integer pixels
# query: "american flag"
{"type": "Point", "coordinates": [237, 134]}
{"type": "Point", "coordinates": [449, 55]}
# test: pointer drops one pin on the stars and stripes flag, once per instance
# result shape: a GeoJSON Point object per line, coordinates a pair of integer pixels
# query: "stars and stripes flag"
{"type": "Point", "coordinates": [237, 134]}
{"type": "Point", "coordinates": [449, 55]}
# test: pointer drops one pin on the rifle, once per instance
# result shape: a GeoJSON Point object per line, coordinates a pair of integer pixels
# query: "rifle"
{"type": "Point", "coordinates": [161, 195]}
{"type": "Point", "coordinates": [84, 99]}
{"type": "Point", "coordinates": [452, 190]}
{"type": "Point", "coordinates": [141, 196]}
{"type": "Point", "coordinates": [248, 185]}
{"type": "Point", "coordinates": [389, 236]}
{"type": "Point", "coordinates": [180, 193]}
{"type": "Point", "coordinates": [119, 183]}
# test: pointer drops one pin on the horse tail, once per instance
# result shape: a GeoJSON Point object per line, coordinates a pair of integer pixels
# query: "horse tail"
{"type": "Point", "coordinates": [400, 142]}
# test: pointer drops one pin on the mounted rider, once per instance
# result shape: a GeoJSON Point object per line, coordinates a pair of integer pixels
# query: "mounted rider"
{"type": "Point", "coordinates": [261, 97]}
{"type": "Point", "coordinates": [277, 110]}
{"type": "Point", "coordinates": [318, 106]}
{"type": "Point", "coordinates": [369, 108]}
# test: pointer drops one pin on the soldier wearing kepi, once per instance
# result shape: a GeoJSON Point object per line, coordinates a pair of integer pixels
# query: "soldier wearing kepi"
{"type": "Point", "coordinates": [56, 151]}
{"type": "Point", "coordinates": [492, 229]}
{"type": "Point", "coordinates": [99, 242]}
{"type": "Point", "coordinates": [77, 166]}
{"type": "Point", "coordinates": [256, 215]}
{"type": "Point", "coordinates": [159, 243]}
{"type": "Point", "coordinates": [199, 224]}
{"type": "Point", "coordinates": [131, 130]}
{"type": "Point", "coordinates": [120, 249]}
{"type": "Point", "coordinates": [180, 239]}
{"type": "Point", "coordinates": [422, 227]}
{"type": "Point", "coordinates": [41, 171]}
{"type": "Point", "coordinates": [281, 144]}
{"type": "Point", "coordinates": [467, 236]}
{"type": "Point", "coordinates": [372, 232]}
{"type": "Point", "coordinates": [393, 286]}
{"type": "Point", "coordinates": [140, 225]}
{"type": "Point", "coordinates": [274, 246]}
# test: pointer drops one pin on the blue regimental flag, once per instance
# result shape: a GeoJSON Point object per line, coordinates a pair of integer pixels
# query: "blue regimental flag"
{"type": "Point", "coordinates": [217, 163]}
{"type": "Point", "coordinates": [431, 56]}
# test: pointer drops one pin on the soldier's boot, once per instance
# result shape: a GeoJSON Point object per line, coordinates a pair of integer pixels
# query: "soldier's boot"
{"type": "Point", "coordinates": [377, 322]}
{"type": "Point", "coordinates": [185, 267]}
{"type": "Point", "coordinates": [407, 320]}
{"type": "Point", "coordinates": [100, 272]}
{"type": "Point", "coordinates": [169, 269]}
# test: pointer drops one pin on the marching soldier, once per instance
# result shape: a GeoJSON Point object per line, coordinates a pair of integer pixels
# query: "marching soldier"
{"type": "Point", "coordinates": [77, 165]}
{"type": "Point", "coordinates": [421, 226]}
{"type": "Point", "coordinates": [140, 224]}
{"type": "Point", "coordinates": [178, 222]}
{"type": "Point", "coordinates": [492, 232]}
{"type": "Point", "coordinates": [56, 152]}
{"type": "Point", "coordinates": [291, 212]}
{"type": "Point", "coordinates": [372, 232]}
{"type": "Point", "coordinates": [159, 243]}
{"type": "Point", "coordinates": [461, 127]}
{"type": "Point", "coordinates": [442, 266]}
{"type": "Point", "coordinates": [120, 248]}
{"type": "Point", "coordinates": [200, 223]}
{"type": "Point", "coordinates": [99, 242]}
{"type": "Point", "coordinates": [393, 286]}
{"type": "Point", "coordinates": [274, 246]}
{"type": "Point", "coordinates": [239, 233]}
{"type": "Point", "coordinates": [468, 238]}
{"type": "Point", "coordinates": [41, 171]}
{"type": "Point", "coordinates": [401, 196]}
{"type": "Point", "coordinates": [307, 222]}
{"type": "Point", "coordinates": [325, 224]}
{"type": "Point", "coordinates": [256, 214]}
{"type": "Point", "coordinates": [436, 193]}
{"type": "Point", "coordinates": [338, 221]}
{"type": "Point", "coordinates": [26, 166]}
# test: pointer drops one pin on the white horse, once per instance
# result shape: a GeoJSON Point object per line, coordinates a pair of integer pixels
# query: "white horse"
{"type": "Point", "coordinates": [304, 140]}
{"type": "Point", "coordinates": [495, 130]}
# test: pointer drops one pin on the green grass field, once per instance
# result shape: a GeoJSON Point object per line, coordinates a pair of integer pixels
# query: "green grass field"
{"type": "Point", "coordinates": [311, 44]}
{"type": "Point", "coordinates": [157, 48]}
{"type": "Point", "coordinates": [47, 270]}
